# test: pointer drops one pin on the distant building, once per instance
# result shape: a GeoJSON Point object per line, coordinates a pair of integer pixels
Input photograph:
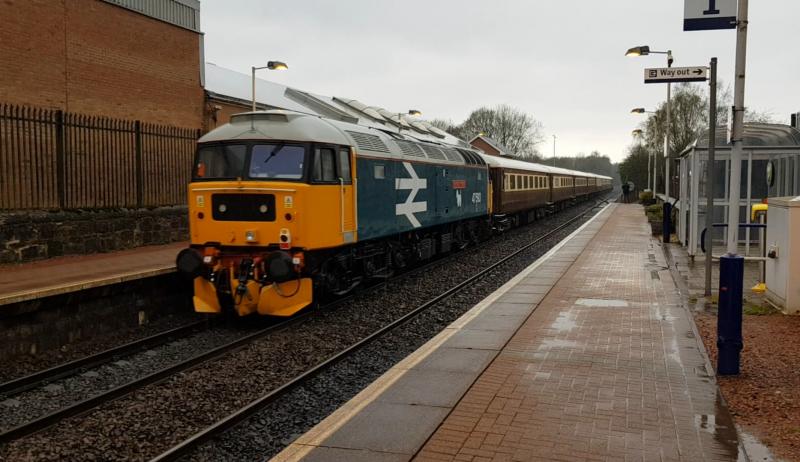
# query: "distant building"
{"type": "Point", "coordinates": [490, 146]}
{"type": "Point", "coordinates": [127, 59]}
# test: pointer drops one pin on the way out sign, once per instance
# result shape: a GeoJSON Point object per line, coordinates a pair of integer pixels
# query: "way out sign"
{"type": "Point", "coordinates": [709, 14]}
{"type": "Point", "coordinates": [676, 74]}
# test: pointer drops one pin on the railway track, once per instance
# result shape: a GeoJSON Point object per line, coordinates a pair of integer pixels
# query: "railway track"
{"type": "Point", "coordinates": [39, 378]}
{"type": "Point", "coordinates": [122, 390]}
{"type": "Point", "coordinates": [210, 432]}
{"type": "Point", "coordinates": [18, 386]}
{"type": "Point", "coordinates": [189, 445]}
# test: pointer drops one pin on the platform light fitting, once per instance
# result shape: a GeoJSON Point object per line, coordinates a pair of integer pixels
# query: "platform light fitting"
{"type": "Point", "coordinates": [414, 113]}
{"type": "Point", "coordinates": [637, 132]}
{"type": "Point", "coordinates": [638, 110]}
{"type": "Point", "coordinates": [277, 66]}
{"type": "Point", "coordinates": [643, 50]}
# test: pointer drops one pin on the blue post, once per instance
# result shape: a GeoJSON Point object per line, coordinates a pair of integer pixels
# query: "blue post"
{"type": "Point", "coordinates": [666, 229]}
{"type": "Point", "coordinates": [729, 315]}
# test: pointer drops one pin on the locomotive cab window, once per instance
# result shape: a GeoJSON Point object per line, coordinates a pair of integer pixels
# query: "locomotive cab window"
{"type": "Point", "coordinates": [277, 162]}
{"type": "Point", "coordinates": [344, 165]}
{"type": "Point", "coordinates": [220, 162]}
{"type": "Point", "coordinates": [324, 166]}
{"type": "Point", "coordinates": [330, 164]}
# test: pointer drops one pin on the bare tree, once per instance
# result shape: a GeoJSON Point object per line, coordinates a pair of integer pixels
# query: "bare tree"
{"type": "Point", "coordinates": [518, 131]}
{"type": "Point", "coordinates": [444, 124]}
{"type": "Point", "coordinates": [689, 118]}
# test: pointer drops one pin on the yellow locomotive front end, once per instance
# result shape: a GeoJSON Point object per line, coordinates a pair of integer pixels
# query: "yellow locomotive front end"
{"type": "Point", "coordinates": [258, 211]}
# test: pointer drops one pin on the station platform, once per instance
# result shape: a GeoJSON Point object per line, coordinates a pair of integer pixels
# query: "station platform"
{"type": "Point", "coordinates": [588, 354]}
{"type": "Point", "coordinates": [56, 276]}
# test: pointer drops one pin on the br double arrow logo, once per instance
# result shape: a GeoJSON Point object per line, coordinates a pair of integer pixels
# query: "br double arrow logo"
{"type": "Point", "coordinates": [415, 184]}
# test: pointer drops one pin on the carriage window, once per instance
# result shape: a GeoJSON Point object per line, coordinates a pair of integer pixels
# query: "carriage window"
{"type": "Point", "coordinates": [379, 172]}
{"type": "Point", "coordinates": [224, 161]}
{"type": "Point", "coordinates": [344, 165]}
{"type": "Point", "coordinates": [324, 165]}
{"type": "Point", "coordinates": [277, 161]}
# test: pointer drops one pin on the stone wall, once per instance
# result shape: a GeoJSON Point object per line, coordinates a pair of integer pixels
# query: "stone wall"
{"type": "Point", "coordinates": [35, 235]}
{"type": "Point", "coordinates": [36, 326]}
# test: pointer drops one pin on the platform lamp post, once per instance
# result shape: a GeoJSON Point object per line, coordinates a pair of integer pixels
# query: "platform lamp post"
{"type": "Point", "coordinates": [637, 135]}
{"type": "Point", "coordinates": [411, 112]}
{"type": "Point", "coordinates": [271, 65]}
{"type": "Point", "coordinates": [645, 50]}
{"type": "Point", "coordinates": [641, 110]}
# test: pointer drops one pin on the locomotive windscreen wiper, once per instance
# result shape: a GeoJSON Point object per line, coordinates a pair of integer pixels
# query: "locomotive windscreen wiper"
{"type": "Point", "coordinates": [274, 152]}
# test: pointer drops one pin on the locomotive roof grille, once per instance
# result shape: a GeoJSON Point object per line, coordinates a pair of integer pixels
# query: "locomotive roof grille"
{"type": "Point", "coordinates": [433, 152]}
{"type": "Point", "coordinates": [410, 148]}
{"type": "Point", "coordinates": [471, 157]}
{"type": "Point", "coordinates": [368, 142]}
{"type": "Point", "coordinates": [452, 155]}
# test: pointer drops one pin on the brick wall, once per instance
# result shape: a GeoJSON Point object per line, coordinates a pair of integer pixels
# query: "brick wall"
{"type": "Point", "coordinates": [218, 113]}
{"type": "Point", "coordinates": [91, 57]}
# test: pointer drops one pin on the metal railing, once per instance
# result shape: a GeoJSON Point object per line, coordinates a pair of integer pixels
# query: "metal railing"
{"type": "Point", "coordinates": [52, 159]}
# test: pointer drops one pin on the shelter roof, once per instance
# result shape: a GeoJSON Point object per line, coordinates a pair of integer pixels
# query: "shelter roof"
{"type": "Point", "coordinates": [755, 135]}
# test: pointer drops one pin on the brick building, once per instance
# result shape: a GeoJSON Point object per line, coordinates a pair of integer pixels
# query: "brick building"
{"type": "Point", "coordinates": [125, 59]}
{"type": "Point", "coordinates": [490, 146]}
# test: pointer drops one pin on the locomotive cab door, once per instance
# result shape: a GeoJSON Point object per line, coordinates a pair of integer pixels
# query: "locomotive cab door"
{"type": "Point", "coordinates": [334, 195]}
{"type": "Point", "coordinates": [347, 185]}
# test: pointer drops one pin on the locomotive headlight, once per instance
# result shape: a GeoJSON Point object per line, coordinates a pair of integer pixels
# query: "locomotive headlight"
{"type": "Point", "coordinates": [263, 208]}
{"type": "Point", "coordinates": [222, 208]}
{"type": "Point", "coordinates": [251, 235]}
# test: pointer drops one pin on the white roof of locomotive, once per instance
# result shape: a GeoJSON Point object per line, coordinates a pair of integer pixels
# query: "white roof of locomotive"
{"type": "Point", "coordinates": [505, 162]}
{"type": "Point", "coordinates": [283, 125]}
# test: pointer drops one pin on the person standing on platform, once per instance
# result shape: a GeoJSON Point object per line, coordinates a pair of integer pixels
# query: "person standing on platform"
{"type": "Point", "coordinates": [625, 191]}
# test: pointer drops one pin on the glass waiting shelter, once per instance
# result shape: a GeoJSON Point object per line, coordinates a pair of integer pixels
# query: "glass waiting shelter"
{"type": "Point", "coordinates": [772, 146]}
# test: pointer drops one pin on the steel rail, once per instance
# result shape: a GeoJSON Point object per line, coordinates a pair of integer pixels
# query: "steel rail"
{"type": "Point", "coordinates": [221, 426]}
{"type": "Point", "coordinates": [18, 385]}
{"type": "Point", "coordinates": [88, 404]}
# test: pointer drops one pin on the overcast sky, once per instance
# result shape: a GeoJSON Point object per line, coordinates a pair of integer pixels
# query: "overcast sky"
{"type": "Point", "coordinates": [562, 61]}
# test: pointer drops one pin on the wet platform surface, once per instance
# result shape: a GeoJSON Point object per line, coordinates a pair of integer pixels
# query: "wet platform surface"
{"type": "Point", "coordinates": [29, 281]}
{"type": "Point", "coordinates": [589, 354]}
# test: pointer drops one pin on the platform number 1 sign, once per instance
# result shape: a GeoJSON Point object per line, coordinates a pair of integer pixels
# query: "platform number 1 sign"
{"type": "Point", "coordinates": [709, 14]}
